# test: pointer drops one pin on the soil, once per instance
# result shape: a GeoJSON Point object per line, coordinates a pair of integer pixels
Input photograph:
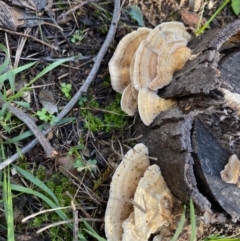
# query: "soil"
{"type": "Point", "coordinates": [80, 33]}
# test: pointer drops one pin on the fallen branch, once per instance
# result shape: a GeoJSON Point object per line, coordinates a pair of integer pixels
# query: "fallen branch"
{"type": "Point", "coordinates": [48, 149]}
{"type": "Point", "coordinates": [86, 84]}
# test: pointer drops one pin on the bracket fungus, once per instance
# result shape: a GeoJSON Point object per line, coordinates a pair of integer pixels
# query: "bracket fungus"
{"type": "Point", "coordinates": [231, 172]}
{"type": "Point", "coordinates": [122, 58]}
{"type": "Point", "coordinates": [154, 197]}
{"type": "Point", "coordinates": [162, 53]}
{"type": "Point", "coordinates": [150, 105]}
{"type": "Point", "coordinates": [146, 60]}
{"type": "Point", "coordinates": [152, 206]}
{"type": "Point", "coordinates": [129, 100]}
{"type": "Point", "coordinates": [123, 187]}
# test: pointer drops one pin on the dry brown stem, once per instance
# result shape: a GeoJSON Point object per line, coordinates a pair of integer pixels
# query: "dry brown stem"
{"type": "Point", "coordinates": [49, 150]}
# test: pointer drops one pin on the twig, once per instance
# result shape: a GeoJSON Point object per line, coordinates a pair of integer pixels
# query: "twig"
{"type": "Point", "coordinates": [75, 221]}
{"type": "Point", "coordinates": [72, 10]}
{"type": "Point", "coordinates": [69, 221]}
{"type": "Point", "coordinates": [86, 84]}
{"type": "Point", "coordinates": [49, 150]}
{"type": "Point", "coordinates": [29, 36]}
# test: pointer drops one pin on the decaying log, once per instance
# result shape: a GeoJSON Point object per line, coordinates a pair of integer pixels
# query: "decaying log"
{"type": "Point", "coordinates": [194, 140]}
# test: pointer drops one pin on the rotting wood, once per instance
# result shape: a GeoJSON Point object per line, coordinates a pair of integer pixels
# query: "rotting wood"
{"type": "Point", "coordinates": [194, 140]}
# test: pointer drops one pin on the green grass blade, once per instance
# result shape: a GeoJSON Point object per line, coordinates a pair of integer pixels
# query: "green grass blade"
{"type": "Point", "coordinates": [180, 225]}
{"type": "Point", "coordinates": [11, 79]}
{"type": "Point", "coordinates": [6, 61]}
{"type": "Point", "coordinates": [193, 222]}
{"type": "Point", "coordinates": [40, 127]}
{"type": "Point", "coordinates": [92, 232]}
{"type": "Point", "coordinates": [60, 213]}
{"type": "Point", "coordinates": [3, 110]}
{"type": "Point", "coordinates": [37, 182]}
{"type": "Point", "coordinates": [65, 120]}
{"type": "Point", "coordinates": [42, 73]}
{"type": "Point", "coordinates": [206, 25]}
{"type": "Point", "coordinates": [8, 206]}
{"type": "Point", "coordinates": [5, 76]}
{"type": "Point", "coordinates": [23, 104]}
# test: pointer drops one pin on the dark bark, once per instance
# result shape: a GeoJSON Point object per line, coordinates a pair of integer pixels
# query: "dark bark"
{"type": "Point", "coordinates": [194, 140]}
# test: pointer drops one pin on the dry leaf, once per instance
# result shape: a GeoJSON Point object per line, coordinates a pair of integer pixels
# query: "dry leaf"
{"type": "Point", "coordinates": [47, 100]}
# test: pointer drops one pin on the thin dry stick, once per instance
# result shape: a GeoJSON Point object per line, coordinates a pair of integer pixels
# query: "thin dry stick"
{"type": "Point", "coordinates": [29, 36]}
{"type": "Point", "coordinates": [75, 222]}
{"type": "Point", "coordinates": [86, 84]}
{"type": "Point", "coordinates": [72, 10]}
{"type": "Point", "coordinates": [49, 150]}
{"type": "Point", "coordinates": [43, 211]}
{"type": "Point", "coordinates": [21, 44]}
{"type": "Point", "coordinates": [69, 221]}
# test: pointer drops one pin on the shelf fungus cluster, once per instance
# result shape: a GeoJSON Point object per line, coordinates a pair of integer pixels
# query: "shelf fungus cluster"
{"type": "Point", "coordinates": [145, 61]}
{"type": "Point", "coordinates": [140, 202]}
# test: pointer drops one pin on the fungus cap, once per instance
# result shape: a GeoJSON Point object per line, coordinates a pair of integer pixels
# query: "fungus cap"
{"type": "Point", "coordinates": [128, 100]}
{"type": "Point", "coordinates": [150, 105]}
{"type": "Point", "coordinates": [231, 172]}
{"type": "Point", "coordinates": [122, 188]}
{"type": "Point", "coordinates": [153, 195]}
{"type": "Point", "coordinates": [153, 57]}
{"type": "Point", "coordinates": [122, 58]}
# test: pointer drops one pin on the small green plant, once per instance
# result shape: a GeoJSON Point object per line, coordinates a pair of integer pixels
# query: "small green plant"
{"type": "Point", "coordinates": [66, 89]}
{"type": "Point", "coordinates": [75, 149]}
{"type": "Point", "coordinates": [235, 4]}
{"type": "Point", "coordinates": [80, 164]}
{"type": "Point", "coordinates": [82, 100]}
{"type": "Point", "coordinates": [89, 165]}
{"type": "Point", "coordinates": [78, 36]}
{"type": "Point", "coordinates": [113, 117]}
{"type": "Point", "coordinates": [5, 118]}
{"type": "Point", "coordinates": [44, 115]}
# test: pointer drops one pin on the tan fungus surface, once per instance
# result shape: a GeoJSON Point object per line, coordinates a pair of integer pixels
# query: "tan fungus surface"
{"type": "Point", "coordinates": [231, 172]}
{"type": "Point", "coordinates": [150, 105]}
{"type": "Point", "coordinates": [122, 189]}
{"type": "Point", "coordinates": [122, 58]}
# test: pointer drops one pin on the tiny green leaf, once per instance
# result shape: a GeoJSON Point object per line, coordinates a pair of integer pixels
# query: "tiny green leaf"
{"type": "Point", "coordinates": [236, 6]}
{"type": "Point", "coordinates": [136, 14]}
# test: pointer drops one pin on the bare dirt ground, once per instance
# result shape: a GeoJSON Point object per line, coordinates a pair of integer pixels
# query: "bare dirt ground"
{"type": "Point", "coordinates": [98, 133]}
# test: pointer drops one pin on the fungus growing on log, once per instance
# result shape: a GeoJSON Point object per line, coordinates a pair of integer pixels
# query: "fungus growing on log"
{"type": "Point", "coordinates": [122, 189]}
{"type": "Point", "coordinates": [129, 101]}
{"type": "Point", "coordinates": [158, 56]}
{"type": "Point", "coordinates": [193, 141]}
{"type": "Point", "coordinates": [120, 62]}
{"type": "Point", "coordinates": [148, 65]}
{"type": "Point", "coordinates": [231, 172]}
{"type": "Point", "coordinates": [154, 197]}
{"type": "Point", "coordinates": [152, 206]}
{"type": "Point", "coordinates": [150, 105]}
